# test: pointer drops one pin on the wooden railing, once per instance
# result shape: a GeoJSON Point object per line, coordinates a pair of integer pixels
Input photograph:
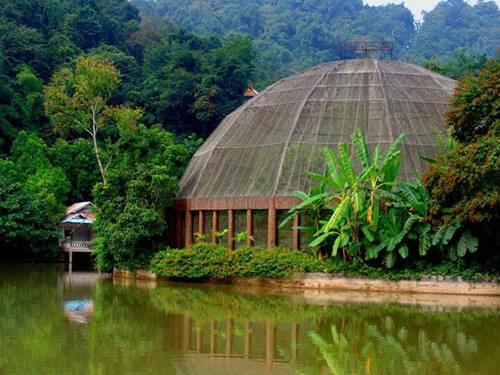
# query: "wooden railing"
{"type": "Point", "coordinates": [77, 245]}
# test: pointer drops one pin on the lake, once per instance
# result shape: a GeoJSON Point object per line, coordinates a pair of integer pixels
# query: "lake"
{"type": "Point", "coordinates": [56, 322]}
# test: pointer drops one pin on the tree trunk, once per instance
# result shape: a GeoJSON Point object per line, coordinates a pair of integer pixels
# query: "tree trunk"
{"type": "Point", "coordinates": [96, 149]}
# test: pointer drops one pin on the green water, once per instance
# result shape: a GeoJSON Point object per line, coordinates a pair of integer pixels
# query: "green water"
{"type": "Point", "coordinates": [51, 323]}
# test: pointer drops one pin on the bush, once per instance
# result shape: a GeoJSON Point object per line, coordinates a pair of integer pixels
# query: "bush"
{"type": "Point", "coordinates": [464, 184]}
{"type": "Point", "coordinates": [209, 261]}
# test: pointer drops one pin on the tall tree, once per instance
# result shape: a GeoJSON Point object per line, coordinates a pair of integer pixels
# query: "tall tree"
{"type": "Point", "coordinates": [77, 99]}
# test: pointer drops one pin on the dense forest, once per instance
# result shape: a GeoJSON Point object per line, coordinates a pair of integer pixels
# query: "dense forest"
{"type": "Point", "coordinates": [292, 35]}
{"type": "Point", "coordinates": [59, 58]}
{"type": "Point", "coordinates": [105, 100]}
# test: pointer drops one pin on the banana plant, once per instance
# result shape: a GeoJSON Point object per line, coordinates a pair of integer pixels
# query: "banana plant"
{"type": "Point", "coordinates": [351, 197]}
{"type": "Point", "coordinates": [200, 237]}
{"type": "Point", "coordinates": [409, 220]}
{"type": "Point", "coordinates": [241, 237]}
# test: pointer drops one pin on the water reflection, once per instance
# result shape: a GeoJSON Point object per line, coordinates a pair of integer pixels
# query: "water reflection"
{"type": "Point", "coordinates": [78, 311]}
{"type": "Point", "coordinates": [175, 329]}
{"type": "Point", "coordinates": [75, 289]}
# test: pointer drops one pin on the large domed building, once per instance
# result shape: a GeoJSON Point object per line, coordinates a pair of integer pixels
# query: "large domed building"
{"type": "Point", "coordinates": [261, 153]}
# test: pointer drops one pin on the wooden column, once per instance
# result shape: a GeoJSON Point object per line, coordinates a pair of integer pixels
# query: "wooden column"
{"type": "Point", "coordinates": [179, 229]}
{"type": "Point", "coordinates": [248, 339]}
{"type": "Point", "coordinates": [186, 333]}
{"type": "Point", "coordinates": [295, 335]}
{"type": "Point", "coordinates": [199, 340]}
{"type": "Point", "coordinates": [271, 224]}
{"type": "Point", "coordinates": [229, 336]}
{"type": "Point", "coordinates": [270, 339]}
{"type": "Point", "coordinates": [249, 228]}
{"type": "Point", "coordinates": [213, 337]}
{"type": "Point", "coordinates": [230, 225]}
{"type": "Point", "coordinates": [201, 222]}
{"type": "Point", "coordinates": [296, 233]}
{"type": "Point", "coordinates": [189, 228]}
{"type": "Point", "coordinates": [215, 226]}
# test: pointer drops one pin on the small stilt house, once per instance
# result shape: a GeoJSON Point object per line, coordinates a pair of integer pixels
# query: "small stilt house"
{"type": "Point", "coordinates": [76, 227]}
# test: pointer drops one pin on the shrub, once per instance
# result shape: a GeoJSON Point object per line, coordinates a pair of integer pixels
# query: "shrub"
{"type": "Point", "coordinates": [210, 261]}
{"type": "Point", "coordinates": [465, 183]}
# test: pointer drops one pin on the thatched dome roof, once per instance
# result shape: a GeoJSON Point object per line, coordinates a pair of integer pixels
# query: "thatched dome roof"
{"type": "Point", "coordinates": [265, 148]}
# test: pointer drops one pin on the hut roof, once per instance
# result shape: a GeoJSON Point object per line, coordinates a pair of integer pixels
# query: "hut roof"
{"type": "Point", "coordinates": [77, 207]}
{"type": "Point", "coordinates": [79, 213]}
{"type": "Point", "coordinates": [266, 147]}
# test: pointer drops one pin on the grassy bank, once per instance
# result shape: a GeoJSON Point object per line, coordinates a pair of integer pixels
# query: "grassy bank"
{"type": "Point", "coordinates": [208, 261]}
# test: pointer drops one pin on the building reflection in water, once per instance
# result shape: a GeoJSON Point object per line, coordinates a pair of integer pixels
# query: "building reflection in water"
{"type": "Point", "coordinates": [76, 290]}
{"type": "Point", "coordinates": [235, 347]}
{"type": "Point", "coordinates": [78, 311]}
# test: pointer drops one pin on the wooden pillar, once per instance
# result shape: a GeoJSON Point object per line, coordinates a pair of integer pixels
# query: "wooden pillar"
{"type": "Point", "coordinates": [249, 228]}
{"type": "Point", "coordinates": [296, 233]}
{"type": "Point", "coordinates": [186, 333]}
{"type": "Point", "coordinates": [248, 339]}
{"type": "Point", "coordinates": [215, 226]}
{"type": "Point", "coordinates": [230, 225]}
{"type": "Point", "coordinates": [201, 222]}
{"type": "Point", "coordinates": [271, 224]}
{"type": "Point", "coordinates": [189, 228]}
{"type": "Point", "coordinates": [270, 338]}
{"type": "Point", "coordinates": [199, 340]}
{"type": "Point", "coordinates": [70, 255]}
{"type": "Point", "coordinates": [179, 229]}
{"type": "Point", "coordinates": [229, 336]}
{"type": "Point", "coordinates": [295, 342]}
{"type": "Point", "coordinates": [213, 337]}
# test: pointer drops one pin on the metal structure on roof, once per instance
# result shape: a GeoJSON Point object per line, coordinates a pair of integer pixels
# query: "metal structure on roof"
{"type": "Point", "coordinates": [365, 47]}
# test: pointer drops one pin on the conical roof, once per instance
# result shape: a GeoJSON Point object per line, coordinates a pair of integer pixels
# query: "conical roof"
{"type": "Point", "coordinates": [266, 147]}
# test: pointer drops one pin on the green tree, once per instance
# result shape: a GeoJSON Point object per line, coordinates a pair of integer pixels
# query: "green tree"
{"type": "Point", "coordinates": [475, 107]}
{"type": "Point", "coordinates": [40, 177]}
{"type": "Point", "coordinates": [32, 193]}
{"type": "Point", "coordinates": [131, 207]}
{"type": "Point", "coordinates": [453, 26]}
{"type": "Point", "coordinates": [23, 223]}
{"type": "Point", "coordinates": [77, 159]}
{"type": "Point", "coordinates": [77, 99]}
{"type": "Point", "coordinates": [464, 183]}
